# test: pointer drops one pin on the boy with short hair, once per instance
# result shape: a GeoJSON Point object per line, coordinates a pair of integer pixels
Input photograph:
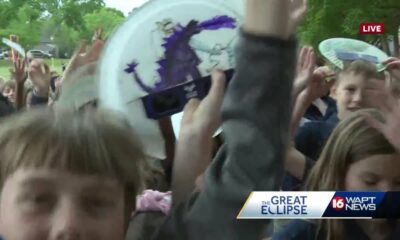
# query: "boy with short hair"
{"type": "Point", "coordinates": [65, 175]}
{"type": "Point", "coordinates": [349, 92]}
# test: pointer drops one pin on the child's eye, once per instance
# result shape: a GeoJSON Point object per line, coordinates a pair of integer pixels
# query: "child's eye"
{"type": "Point", "coordinates": [370, 182]}
{"type": "Point", "coordinates": [41, 199]}
{"type": "Point", "coordinates": [98, 203]}
{"type": "Point", "coordinates": [38, 201]}
{"type": "Point", "coordinates": [350, 89]}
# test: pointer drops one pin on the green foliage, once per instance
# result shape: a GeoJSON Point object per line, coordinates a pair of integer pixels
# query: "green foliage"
{"type": "Point", "coordinates": [62, 22]}
{"type": "Point", "coordinates": [106, 18]}
{"type": "Point", "coordinates": [26, 25]}
{"type": "Point", "coordinates": [66, 39]}
{"type": "Point", "coordinates": [341, 18]}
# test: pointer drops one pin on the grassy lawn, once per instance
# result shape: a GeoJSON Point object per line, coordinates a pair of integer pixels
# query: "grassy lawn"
{"type": "Point", "coordinates": [55, 65]}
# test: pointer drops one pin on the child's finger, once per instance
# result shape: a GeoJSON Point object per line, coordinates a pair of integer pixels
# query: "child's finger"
{"type": "Point", "coordinates": [373, 122]}
{"type": "Point", "coordinates": [19, 64]}
{"type": "Point", "coordinates": [306, 62]}
{"type": "Point", "coordinates": [311, 59]}
{"type": "Point", "coordinates": [24, 63]}
{"type": "Point", "coordinates": [189, 109]}
{"type": "Point", "coordinates": [100, 33]}
{"type": "Point", "coordinates": [95, 52]}
{"type": "Point", "coordinates": [329, 84]}
{"type": "Point", "coordinates": [393, 64]}
{"type": "Point", "coordinates": [379, 100]}
{"type": "Point", "coordinates": [217, 91]}
{"type": "Point", "coordinates": [302, 54]}
{"type": "Point", "coordinates": [389, 60]}
{"type": "Point", "coordinates": [43, 69]}
{"type": "Point", "coordinates": [82, 48]}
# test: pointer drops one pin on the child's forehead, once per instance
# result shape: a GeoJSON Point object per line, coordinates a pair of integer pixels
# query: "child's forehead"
{"type": "Point", "coordinates": [354, 77]}
{"type": "Point", "coordinates": [44, 176]}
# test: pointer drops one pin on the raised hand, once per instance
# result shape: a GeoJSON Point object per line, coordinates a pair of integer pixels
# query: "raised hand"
{"type": "Point", "coordinates": [40, 75]}
{"type": "Point", "coordinates": [390, 107]}
{"type": "Point", "coordinates": [82, 57]}
{"type": "Point", "coordinates": [298, 11]}
{"type": "Point", "coordinates": [194, 148]}
{"type": "Point", "coordinates": [319, 85]}
{"type": "Point", "coordinates": [305, 68]}
{"type": "Point", "coordinates": [204, 116]}
{"type": "Point", "coordinates": [98, 35]}
{"type": "Point", "coordinates": [277, 18]}
{"type": "Point", "coordinates": [18, 73]}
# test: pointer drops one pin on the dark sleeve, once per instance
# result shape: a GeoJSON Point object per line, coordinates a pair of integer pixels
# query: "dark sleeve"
{"type": "Point", "coordinates": [313, 113]}
{"type": "Point", "coordinates": [36, 100]}
{"type": "Point", "coordinates": [307, 169]}
{"type": "Point", "coordinates": [332, 108]}
{"type": "Point", "coordinates": [306, 139]}
{"type": "Point", "coordinates": [291, 183]}
{"type": "Point", "coordinates": [256, 113]}
{"type": "Point", "coordinates": [6, 108]}
{"type": "Point", "coordinates": [296, 230]}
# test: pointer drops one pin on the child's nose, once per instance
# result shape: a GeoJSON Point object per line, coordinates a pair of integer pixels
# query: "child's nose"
{"type": "Point", "coordinates": [357, 97]}
{"type": "Point", "coordinates": [67, 222]}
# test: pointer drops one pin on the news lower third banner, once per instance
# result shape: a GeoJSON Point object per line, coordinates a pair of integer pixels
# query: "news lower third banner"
{"type": "Point", "coordinates": [317, 205]}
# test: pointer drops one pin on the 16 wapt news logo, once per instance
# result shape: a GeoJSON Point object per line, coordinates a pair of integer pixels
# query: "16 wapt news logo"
{"type": "Point", "coordinates": [354, 203]}
{"type": "Point", "coordinates": [316, 205]}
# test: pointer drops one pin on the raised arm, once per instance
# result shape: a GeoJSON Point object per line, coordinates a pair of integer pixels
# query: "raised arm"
{"type": "Point", "coordinates": [19, 75]}
{"type": "Point", "coordinates": [316, 87]}
{"type": "Point", "coordinates": [256, 114]}
{"type": "Point", "coordinates": [194, 149]}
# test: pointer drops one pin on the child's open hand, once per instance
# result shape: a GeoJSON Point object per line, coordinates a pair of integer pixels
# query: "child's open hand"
{"type": "Point", "coordinates": [83, 57]}
{"type": "Point", "coordinates": [278, 18]}
{"type": "Point", "coordinates": [305, 69]}
{"type": "Point", "coordinates": [298, 11]}
{"type": "Point", "coordinates": [390, 107]}
{"type": "Point", "coordinates": [19, 71]}
{"type": "Point", "coordinates": [204, 117]}
{"type": "Point", "coordinates": [98, 35]}
{"type": "Point", "coordinates": [40, 75]}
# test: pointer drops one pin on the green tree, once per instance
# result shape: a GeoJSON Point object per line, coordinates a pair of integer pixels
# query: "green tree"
{"type": "Point", "coordinates": [36, 20]}
{"type": "Point", "coordinates": [106, 18]}
{"type": "Point", "coordinates": [66, 39]}
{"type": "Point", "coordinates": [327, 19]}
{"type": "Point", "coordinates": [26, 24]}
{"type": "Point", "coordinates": [6, 13]}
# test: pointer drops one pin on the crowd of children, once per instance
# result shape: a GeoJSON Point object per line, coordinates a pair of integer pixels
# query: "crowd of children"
{"type": "Point", "coordinates": [72, 170]}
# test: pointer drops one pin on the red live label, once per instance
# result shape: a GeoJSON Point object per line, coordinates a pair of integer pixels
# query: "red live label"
{"type": "Point", "coordinates": [372, 28]}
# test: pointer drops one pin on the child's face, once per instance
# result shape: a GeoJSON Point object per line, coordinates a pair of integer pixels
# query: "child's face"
{"type": "Point", "coordinates": [48, 204]}
{"type": "Point", "coordinates": [349, 94]}
{"type": "Point", "coordinates": [9, 93]}
{"type": "Point", "coordinates": [374, 173]}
